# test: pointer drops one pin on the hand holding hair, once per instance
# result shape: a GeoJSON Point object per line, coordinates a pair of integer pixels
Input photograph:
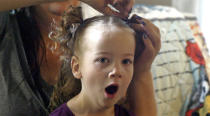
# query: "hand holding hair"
{"type": "Point", "coordinates": [151, 39]}
{"type": "Point", "coordinates": [141, 90]}
{"type": "Point", "coordinates": [120, 8]}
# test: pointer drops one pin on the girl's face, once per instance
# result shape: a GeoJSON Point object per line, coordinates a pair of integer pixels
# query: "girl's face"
{"type": "Point", "coordinates": [106, 64]}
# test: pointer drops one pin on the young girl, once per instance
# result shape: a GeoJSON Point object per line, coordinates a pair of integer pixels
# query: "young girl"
{"type": "Point", "coordinates": [101, 54]}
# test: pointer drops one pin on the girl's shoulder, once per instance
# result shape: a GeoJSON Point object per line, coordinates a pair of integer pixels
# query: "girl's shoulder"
{"type": "Point", "coordinates": [63, 110]}
{"type": "Point", "coordinates": [121, 111]}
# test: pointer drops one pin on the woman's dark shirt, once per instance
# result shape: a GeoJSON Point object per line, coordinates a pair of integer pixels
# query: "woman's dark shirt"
{"type": "Point", "coordinates": [19, 95]}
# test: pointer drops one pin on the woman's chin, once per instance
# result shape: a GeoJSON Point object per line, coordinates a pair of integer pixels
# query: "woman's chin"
{"type": "Point", "coordinates": [58, 8]}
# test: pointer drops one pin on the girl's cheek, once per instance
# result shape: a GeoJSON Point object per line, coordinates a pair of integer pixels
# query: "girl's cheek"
{"type": "Point", "coordinates": [129, 72]}
{"type": "Point", "coordinates": [129, 69]}
{"type": "Point", "coordinates": [100, 66]}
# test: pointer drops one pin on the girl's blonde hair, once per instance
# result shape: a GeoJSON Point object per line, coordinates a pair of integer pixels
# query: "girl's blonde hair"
{"type": "Point", "coordinates": [70, 34]}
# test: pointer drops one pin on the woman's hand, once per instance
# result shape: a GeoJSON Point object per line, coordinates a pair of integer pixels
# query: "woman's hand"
{"type": "Point", "coordinates": [123, 6]}
{"type": "Point", "coordinates": [151, 40]}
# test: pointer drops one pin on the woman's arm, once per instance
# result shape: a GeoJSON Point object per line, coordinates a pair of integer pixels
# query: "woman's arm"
{"type": "Point", "coordinates": [142, 92]}
{"type": "Point", "coordinates": [143, 103]}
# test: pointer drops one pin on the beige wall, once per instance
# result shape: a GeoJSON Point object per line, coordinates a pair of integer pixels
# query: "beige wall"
{"type": "Point", "coordinates": [155, 2]}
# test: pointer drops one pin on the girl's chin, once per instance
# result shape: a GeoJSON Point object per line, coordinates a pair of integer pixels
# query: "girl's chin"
{"type": "Point", "coordinates": [108, 105]}
{"type": "Point", "coordinates": [110, 102]}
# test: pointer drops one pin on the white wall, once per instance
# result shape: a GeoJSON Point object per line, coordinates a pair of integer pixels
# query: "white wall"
{"type": "Point", "coordinates": [188, 6]}
{"type": "Point", "coordinates": [205, 20]}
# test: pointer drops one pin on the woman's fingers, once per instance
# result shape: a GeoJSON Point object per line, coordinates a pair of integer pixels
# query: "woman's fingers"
{"type": "Point", "coordinates": [120, 8]}
{"type": "Point", "coordinates": [125, 7]}
{"type": "Point", "coordinates": [153, 36]}
{"type": "Point", "coordinates": [149, 48]}
{"type": "Point", "coordinates": [143, 25]}
{"type": "Point", "coordinates": [134, 19]}
{"type": "Point", "coordinates": [137, 27]}
{"type": "Point", "coordinates": [109, 11]}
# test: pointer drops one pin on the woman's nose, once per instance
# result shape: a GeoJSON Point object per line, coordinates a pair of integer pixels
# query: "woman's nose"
{"type": "Point", "coordinates": [116, 71]}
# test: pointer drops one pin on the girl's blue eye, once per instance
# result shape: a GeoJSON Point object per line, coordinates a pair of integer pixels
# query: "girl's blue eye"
{"type": "Point", "coordinates": [127, 61]}
{"type": "Point", "coordinates": [103, 60]}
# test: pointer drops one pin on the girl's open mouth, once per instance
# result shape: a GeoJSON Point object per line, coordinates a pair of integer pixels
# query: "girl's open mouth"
{"type": "Point", "coordinates": [111, 90]}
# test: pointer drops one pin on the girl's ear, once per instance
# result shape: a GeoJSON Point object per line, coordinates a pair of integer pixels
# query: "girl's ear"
{"type": "Point", "coordinates": [76, 67]}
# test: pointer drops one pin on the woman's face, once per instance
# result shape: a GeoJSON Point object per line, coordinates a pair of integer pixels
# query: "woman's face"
{"type": "Point", "coordinates": [107, 64]}
{"type": "Point", "coordinates": [54, 10]}
{"type": "Point", "coordinates": [58, 8]}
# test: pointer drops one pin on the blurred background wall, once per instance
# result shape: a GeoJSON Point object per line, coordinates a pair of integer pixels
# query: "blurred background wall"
{"type": "Point", "coordinates": [191, 6]}
{"type": "Point", "coordinates": [200, 8]}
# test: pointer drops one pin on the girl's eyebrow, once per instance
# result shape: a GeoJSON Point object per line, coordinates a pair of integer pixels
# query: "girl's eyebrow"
{"type": "Point", "coordinates": [128, 54]}
{"type": "Point", "coordinates": [107, 53]}
{"type": "Point", "coordinates": [99, 53]}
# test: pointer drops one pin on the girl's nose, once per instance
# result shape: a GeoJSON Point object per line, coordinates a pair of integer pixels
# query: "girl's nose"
{"type": "Point", "coordinates": [116, 72]}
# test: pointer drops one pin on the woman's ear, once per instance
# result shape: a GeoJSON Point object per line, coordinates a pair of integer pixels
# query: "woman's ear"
{"type": "Point", "coordinates": [76, 67]}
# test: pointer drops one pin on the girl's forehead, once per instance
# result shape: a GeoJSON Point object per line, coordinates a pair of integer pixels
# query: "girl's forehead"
{"type": "Point", "coordinates": [101, 32]}
{"type": "Point", "coordinates": [101, 35]}
{"type": "Point", "coordinates": [107, 28]}
{"type": "Point", "coordinates": [107, 35]}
